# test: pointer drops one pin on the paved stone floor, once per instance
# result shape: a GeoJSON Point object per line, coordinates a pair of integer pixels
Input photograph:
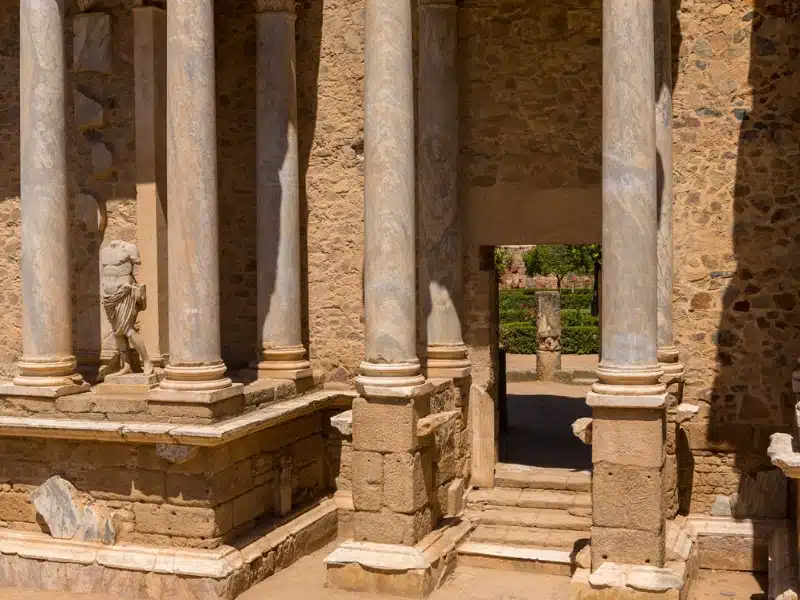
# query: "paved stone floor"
{"type": "Point", "coordinates": [304, 581]}
{"type": "Point", "coordinates": [569, 362]}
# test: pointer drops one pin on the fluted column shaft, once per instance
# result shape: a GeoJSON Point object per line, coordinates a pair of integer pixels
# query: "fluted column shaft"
{"type": "Point", "coordinates": [389, 212]}
{"type": "Point", "coordinates": [667, 352]}
{"type": "Point", "coordinates": [47, 359]}
{"type": "Point", "coordinates": [194, 305]}
{"type": "Point", "coordinates": [281, 352]}
{"type": "Point", "coordinates": [440, 268]}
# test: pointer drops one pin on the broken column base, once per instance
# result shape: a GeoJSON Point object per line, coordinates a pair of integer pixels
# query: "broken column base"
{"type": "Point", "coordinates": [411, 571]}
{"type": "Point", "coordinates": [631, 582]}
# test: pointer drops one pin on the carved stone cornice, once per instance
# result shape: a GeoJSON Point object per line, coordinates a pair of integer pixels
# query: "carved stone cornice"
{"type": "Point", "coordinates": [267, 6]}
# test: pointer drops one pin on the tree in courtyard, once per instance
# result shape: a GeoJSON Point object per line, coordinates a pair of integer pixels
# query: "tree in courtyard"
{"type": "Point", "coordinates": [502, 261]}
{"type": "Point", "coordinates": [561, 260]}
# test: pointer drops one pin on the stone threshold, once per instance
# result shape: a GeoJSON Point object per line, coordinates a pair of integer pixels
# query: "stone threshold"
{"type": "Point", "coordinates": [170, 433]}
{"type": "Point", "coordinates": [316, 526]}
{"type": "Point", "coordinates": [500, 556]}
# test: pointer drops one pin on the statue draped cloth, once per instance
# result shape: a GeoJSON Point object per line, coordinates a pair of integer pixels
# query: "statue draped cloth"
{"type": "Point", "coordinates": [122, 307]}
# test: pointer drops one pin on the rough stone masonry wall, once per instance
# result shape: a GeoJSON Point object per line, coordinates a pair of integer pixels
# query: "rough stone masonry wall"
{"type": "Point", "coordinates": [102, 171]}
{"type": "Point", "coordinates": [737, 226]}
{"type": "Point", "coordinates": [208, 500]}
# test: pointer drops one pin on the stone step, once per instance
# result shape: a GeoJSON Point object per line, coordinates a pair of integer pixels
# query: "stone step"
{"type": "Point", "coordinates": [515, 558]}
{"type": "Point", "coordinates": [728, 544]}
{"type": "Point", "coordinates": [542, 518]}
{"type": "Point", "coordinates": [575, 503]}
{"type": "Point", "coordinates": [522, 476]}
{"type": "Point", "coordinates": [533, 537]}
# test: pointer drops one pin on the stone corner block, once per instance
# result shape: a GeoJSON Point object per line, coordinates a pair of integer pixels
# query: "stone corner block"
{"type": "Point", "coordinates": [404, 489]}
{"type": "Point", "coordinates": [627, 497]}
{"type": "Point", "coordinates": [625, 436]}
{"type": "Point", "coordinates": [384, 426]}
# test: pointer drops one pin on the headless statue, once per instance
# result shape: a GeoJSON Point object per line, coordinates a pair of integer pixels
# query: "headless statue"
{"type": "Point", "coordinates": [123, 298]}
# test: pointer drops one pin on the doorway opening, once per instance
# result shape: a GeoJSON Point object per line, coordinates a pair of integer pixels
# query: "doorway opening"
{"type": "Point", "coordinates": [548, 348]}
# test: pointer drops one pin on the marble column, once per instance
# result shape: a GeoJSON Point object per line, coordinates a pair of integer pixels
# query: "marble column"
{"type": "Point", "coordinates": [196, 372]}
{"type": "Point", "coordinates": [150, 83]}
{"type": "Point", "coordinates": [47, 366]}
{"type": "Point", "coordinates": [628, 401]}
{"type": "Point", "coordinates": [389, 207]}
{"type": "Point", "coordinates": [440, 259]}
{"type": "Point", "coordinates": [281, 354]}
{"type": "Point", "coordinates": [667, 352]}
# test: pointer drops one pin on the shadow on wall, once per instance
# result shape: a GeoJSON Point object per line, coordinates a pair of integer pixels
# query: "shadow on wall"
{"type": "Point", "coordinates": [237, 129]}
{"type": "Point", "coordinates": [758, 340]}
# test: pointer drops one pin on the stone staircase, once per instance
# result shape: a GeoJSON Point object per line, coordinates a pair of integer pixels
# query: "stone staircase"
{"type": "Point", "coordinates": [534, 519]}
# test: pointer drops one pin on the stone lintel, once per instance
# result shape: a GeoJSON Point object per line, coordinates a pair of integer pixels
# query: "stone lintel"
{"type": "Point", "coordinates": [26, 551]}
{"type": "Point", "coordinates": [172, 433]}
{"type": "Point", "coordinates": [56, 391]}
{"type": "Point", "coordinates": [656, 401]}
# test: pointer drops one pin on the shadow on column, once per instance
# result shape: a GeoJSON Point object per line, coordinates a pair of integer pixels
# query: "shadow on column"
{"type": "Point", "coordinates": [758, 341]}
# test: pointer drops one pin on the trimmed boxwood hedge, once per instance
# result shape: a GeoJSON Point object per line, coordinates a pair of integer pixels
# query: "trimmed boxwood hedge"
{"type": "Point", "coordinates": [580, 340]}
{"type": "Point", "coordinates": [577, 318]}
{"type": "Point", "coordinates": [518, 338]}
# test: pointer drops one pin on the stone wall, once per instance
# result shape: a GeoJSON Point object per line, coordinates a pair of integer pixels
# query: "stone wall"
{"type": "Point", "coordinates": [737, 122]}
{"type": "Point", "coordinates": [212, 497]}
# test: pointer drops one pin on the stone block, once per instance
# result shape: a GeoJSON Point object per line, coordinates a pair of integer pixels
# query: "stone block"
{"type": "Point", "coordinates": [102, 160]}
{"type": "Point", "coordinates": [628, 436]}
{"type": "Point", "coordinates": [627, 546]}
{"type": "Point", "coordinates": [72, 515]}
{"type": "Point", "coordinates": [382, 426]}
{"type": "Point", "coordinates": [547, 365]}
{"type": "Point", "coordinates": [91, 50]}
{"type": "Point", "coordinates": [670, 479]}
{"type": "Point", "coordinates": [392, 528]}
{"type": "Point", "coordinates": [15, 506]}
{"type": "Point", "coordinates": [762, 495]}
{"type": "Point", "coordinates": [367, 480]}
{"type": "Point", "coordinates": [308, 450]}
{"type": "Point", "coordinates": [627, 497]}
{"type": "Point", "coordinates": [183, 521]}
{"type": "Point", "coordinates": [404, 488]}
{"type": "Point", "coordinates": [353, 577]}
{"type": "Point", "coordinates": [252, 505]}
{"type": "Point", "coordinates": [733, 552]}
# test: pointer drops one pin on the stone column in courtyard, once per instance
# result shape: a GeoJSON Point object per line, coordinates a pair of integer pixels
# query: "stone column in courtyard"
{"type": "Point", "coordinates": [548, 335]}
{"type": "Point", "coordinates": [149, 62]}
{"type": "Point", "coordinates": [196, 372]}
{"type": "Point", "coordinates": [281, 354]}
{"type": "Point", "coordinates": [47, 367]}
{"type": "Point", "coordinates": [628, 401]}
{"type": "Point", "coordinates": [389, 483]}
{"type": "Point", "coordinates": [440, 258]}
{"type": "Point", "coordinates": [667, 352]}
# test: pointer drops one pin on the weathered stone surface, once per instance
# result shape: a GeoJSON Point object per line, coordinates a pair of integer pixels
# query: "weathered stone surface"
{"type": "Point", "coordinates": [722, 507]}
{"type": "Point", "coordinates": [92, 42]}
{"type": "Point", "coordinates": [582, 429]}
{"type": "Point", "coordinates": [89, 114]}
{"type": "Point", "coordinates": [627, 497]}
{"type": "Point", "coordinates": [627, 546]}
{"type": "Point", "coordinates": [71, 515]}
{"type": "Point", "coordinates": [761, 497]}
{"type": "Point", "coordinates": [90, 212]}
{"type": "Point", "coordinates": [367, 481]}
{"type": "Point", "coordinates": [177, 453]}
{"type": "Point", "coordinates": [384, 426]}
{"type": "Point", "coordinates": [102, 160]}
{"type": "Point", "coordinates": [404, 488]}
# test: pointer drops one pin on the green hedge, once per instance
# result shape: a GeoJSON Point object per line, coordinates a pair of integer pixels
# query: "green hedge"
{"type": "Point", "coordinates": [578, 318]}
{"type": "Point", "coordinates": [579, 340]}
{"type": "Point", "coordinates": [518, 338]}
{"type": "Point", "coordinates": [577, 300]}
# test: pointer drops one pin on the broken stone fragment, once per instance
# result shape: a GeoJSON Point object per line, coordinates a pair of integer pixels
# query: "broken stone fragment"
{"type": "Point", "coordinates": [582, 429]}
{"type": "Point", "coordinates": [89, 114]}
{"type": "Point", "coordinates": [721, 507]}
{"type": "Point", "coordinates": [72, 515]}
{"type": "Point", "coordinates": [92, 43]}
{"type": "Point", "coordinates": [177, 453]}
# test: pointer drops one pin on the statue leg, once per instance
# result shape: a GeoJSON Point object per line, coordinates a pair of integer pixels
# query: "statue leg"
{"type": "Point", "coordinates": [124, 354]}
{"type": "Point", "coordinates": [137, 344]}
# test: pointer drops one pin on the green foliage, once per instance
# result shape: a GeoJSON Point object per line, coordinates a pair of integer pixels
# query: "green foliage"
{"type": "Point", "coordinates": [578, 318]}
{"type": "Point", "coordinates": [579, 300]}
{"type": "Point", "coordinates": [502, 260]}
{"type": "Point", "coordinates": [518, 338]}
{"type": "Point", "coordinates": [516, 305]}
{"type": "Point", "coordinates": [580, 340]}
{"type": "Point", "coordinates": [560, 260]}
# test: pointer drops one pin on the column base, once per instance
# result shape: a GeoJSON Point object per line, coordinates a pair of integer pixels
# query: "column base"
{"type": "Point", "coordinates": [634, 582]}
{"type": "Point", "coordinates": [283, 363]}
{"type": "Point", "coordinates": [388, 375]}
{"type": "Point", "coordinates": [669, 359]}
{"type": "Point", "coordinates": [196, 384]}
{"type": "Point", "coordinates": [447, 362]}
{"type": "Point", "coordinates": [411, 571]}
{"type": "Point", "coordinates": [46, 378]}
{"type": "Point", "coordinates": [630, 380]}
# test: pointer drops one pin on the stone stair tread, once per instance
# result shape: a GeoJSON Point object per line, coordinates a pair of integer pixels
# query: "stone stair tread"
{"type": "Point", "coordinates": [542, 518]}
{"type": "Point", "coordinates": [522, 476]}
{"type": "Point", "coordinates": [562, 539]}
{"type": "Point", "coordinates": [520, 553]}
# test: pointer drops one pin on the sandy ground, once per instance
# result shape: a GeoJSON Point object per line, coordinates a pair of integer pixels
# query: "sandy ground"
{"type": "Point", "coordinates": [305, 581]}
{"type": "Point", "coordinates": [569, 362]}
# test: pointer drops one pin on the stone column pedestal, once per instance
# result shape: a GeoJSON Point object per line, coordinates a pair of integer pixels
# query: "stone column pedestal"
{"type": "Point", "coordinates": [628, 401]}
{"type": "Point", "coordinates": [281, 354]}
{"type": "Point", "coordinates": [47, 367]}
{"type": "Point", "coordinates": [196, 372]}
{"type": "Point", "coordinates": [548, 335]}
{"type": "Point", "coordinates": [441, 280]}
